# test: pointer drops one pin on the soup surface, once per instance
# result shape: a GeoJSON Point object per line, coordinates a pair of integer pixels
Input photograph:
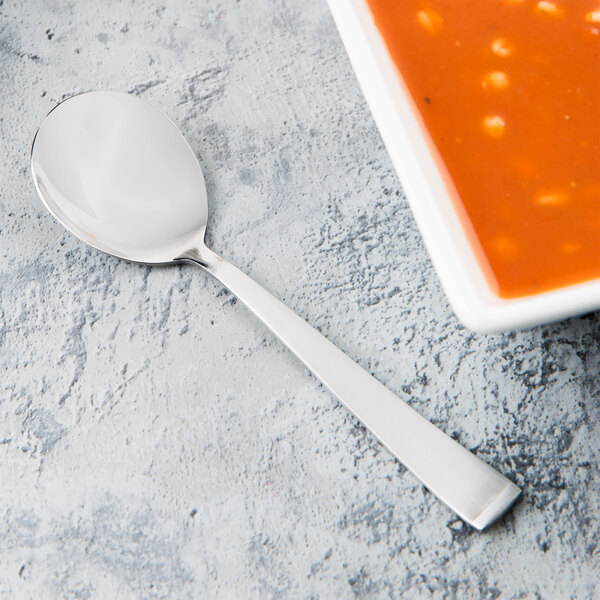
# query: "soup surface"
{"type": "Point", "coordinates": [509, 92]}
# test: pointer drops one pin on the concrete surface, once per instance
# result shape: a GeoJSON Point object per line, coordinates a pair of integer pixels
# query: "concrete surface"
{"type": "Point", "coordinates": [157, 442]}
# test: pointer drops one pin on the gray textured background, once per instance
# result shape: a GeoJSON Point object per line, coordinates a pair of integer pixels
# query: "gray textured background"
{"type": "Point", "coordinates": [157, 442]}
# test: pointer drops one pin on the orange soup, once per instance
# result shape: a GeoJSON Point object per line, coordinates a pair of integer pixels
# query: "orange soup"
{"type": "Point", "coordinates": [509, 93]}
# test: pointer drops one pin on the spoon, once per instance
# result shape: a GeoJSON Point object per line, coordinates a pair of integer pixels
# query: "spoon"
{"type": "Point", "coordinates": [116, 172]}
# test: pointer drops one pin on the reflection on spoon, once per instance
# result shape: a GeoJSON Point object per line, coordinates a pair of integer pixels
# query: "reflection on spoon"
{"type": "Point", "coordinates": [116, 172]}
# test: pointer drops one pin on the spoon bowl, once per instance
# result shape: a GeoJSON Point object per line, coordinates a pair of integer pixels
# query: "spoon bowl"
{"type": "Point", "coordinates": [116, 172]}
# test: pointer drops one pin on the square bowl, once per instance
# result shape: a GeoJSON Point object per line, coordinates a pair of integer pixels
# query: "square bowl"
{"type": "Point", "coordinates": [445, 235]}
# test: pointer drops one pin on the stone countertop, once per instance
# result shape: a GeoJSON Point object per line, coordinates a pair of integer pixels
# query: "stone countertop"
{"type": "Point", "coordinates": [157, 442]}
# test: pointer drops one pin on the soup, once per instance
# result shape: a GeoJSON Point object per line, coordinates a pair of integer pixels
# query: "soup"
{"type": "Point", "coordinates": [509, 93]}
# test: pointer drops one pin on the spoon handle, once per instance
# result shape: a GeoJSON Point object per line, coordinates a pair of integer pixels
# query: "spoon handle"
{"type": "Point", "coordinates": [475, 491]}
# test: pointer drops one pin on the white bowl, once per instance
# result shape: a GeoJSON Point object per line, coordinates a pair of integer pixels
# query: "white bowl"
{"type": "Point", "coordinates": [445, 237]}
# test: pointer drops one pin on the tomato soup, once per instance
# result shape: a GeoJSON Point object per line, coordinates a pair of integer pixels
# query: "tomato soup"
{"type": "Point", "coordinates": [509, 93]}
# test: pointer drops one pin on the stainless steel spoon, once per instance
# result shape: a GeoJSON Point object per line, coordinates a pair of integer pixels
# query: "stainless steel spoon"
{"type": "Point", "coordinates": [117, 173]}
